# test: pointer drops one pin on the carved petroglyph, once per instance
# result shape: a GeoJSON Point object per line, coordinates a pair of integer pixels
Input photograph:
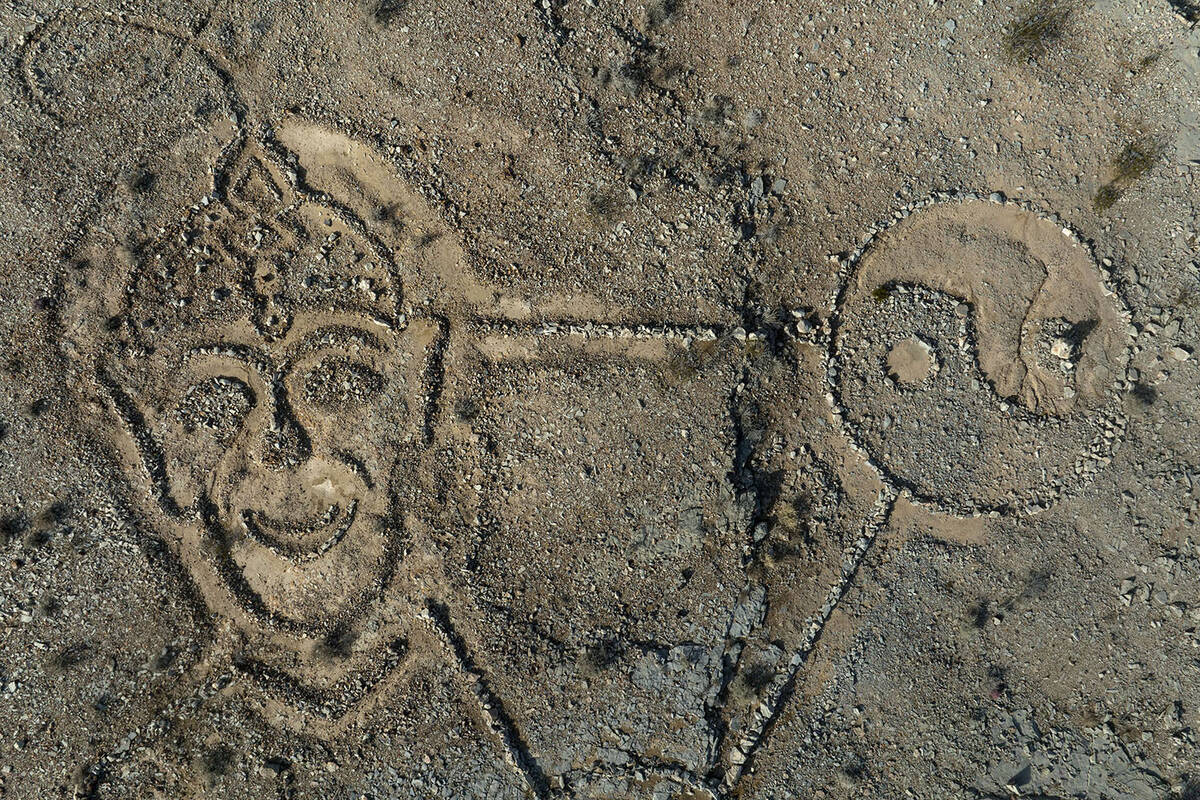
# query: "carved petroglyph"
{"type": "Point", "coordinates": [351, 444]}
{"type": "Point", "coordinates": [274, 401]}
{"type": "Point", "coordinates": [976, 357]}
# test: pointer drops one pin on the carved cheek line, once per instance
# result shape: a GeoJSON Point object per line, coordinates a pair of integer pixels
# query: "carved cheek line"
{"type": "Point", "coordinates": [149, 451]}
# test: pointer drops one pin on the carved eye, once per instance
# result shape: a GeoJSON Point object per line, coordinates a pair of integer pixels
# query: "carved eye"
{"type": "Point", "coordinates": [218, 405]}
{"type": "Point", "coordinates": [339, 384]}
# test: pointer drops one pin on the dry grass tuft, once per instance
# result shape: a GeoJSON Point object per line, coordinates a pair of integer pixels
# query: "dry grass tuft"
{"type": "Point", "coordinates": [1039, 25]}
{"type": "Point", "coordinates": [1135, 160]}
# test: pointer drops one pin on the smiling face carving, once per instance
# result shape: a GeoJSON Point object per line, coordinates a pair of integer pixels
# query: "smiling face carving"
{"type": "Point", "coordinates": [283, 450]}
{"type": "Point", "coordinates": [274, 396]}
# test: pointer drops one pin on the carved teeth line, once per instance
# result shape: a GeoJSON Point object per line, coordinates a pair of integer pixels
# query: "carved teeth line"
{"type": "Point", "coordinates": [297, 552]}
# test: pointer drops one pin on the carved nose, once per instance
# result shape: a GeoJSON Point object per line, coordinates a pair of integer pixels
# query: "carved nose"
{"type": "Point", "coordinates": [284, 444]}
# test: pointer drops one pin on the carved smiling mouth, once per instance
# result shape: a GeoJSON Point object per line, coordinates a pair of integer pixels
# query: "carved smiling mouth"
{"type": "Point", "coordinates": [301, 541]}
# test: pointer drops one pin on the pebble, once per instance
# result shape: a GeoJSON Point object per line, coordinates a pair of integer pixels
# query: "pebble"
{"type": "Point", "coordinates": [1061, 349]}
{"type": "Point", "coordinates": [1180, 353]}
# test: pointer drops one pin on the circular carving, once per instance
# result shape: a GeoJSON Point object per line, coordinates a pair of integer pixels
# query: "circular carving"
{"type": "Point", "coordinates": [975, 357]}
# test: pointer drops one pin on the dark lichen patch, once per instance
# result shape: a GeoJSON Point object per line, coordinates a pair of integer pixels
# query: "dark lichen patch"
{"type": "Point", "coordinates": [759, 676]}
{"type": "Point", "coordinates": [142, 181]}
{"type": "Point", "coordinates": [12, 527]}
{"type": "Point", "coordinates": [606, 207]}
{"type": "Point", "coordinates": [164, 658]}
{"type": "Point", "coordinates": [686, 365]}
{"type": "Point", "coordinates": [54, 514]}
{"type": "Point", "coordinates": [388, 12]}
{"type": "Point", "coordinates": [46, 524]}
{"type": "Point", "coordinates": [979, 612]}
{"type": "Point", "coordinates": [1037, 583]}
{"type": "Point", "coordinates": [1144, 393]}
{"type": "Point", "coordinates": [680, 368]}
{"type": "Point", "coordinates": [49, 606]}
{"type": "Point", "coordinates": [70, 656]}
{"type": "Point", "coordinates": [662, 13]}
{"type": "Point", "coordinates": [467, 409]}
{"type": "Point", "coordinates": [337, 645]}
{"type": "Point", "coordinates": [217, 762]}
{"type": "Point", "coordinates": [601, 656]}
{"type": "Point", "coordinates": [855, 768]}
{"type": "Point", "coordinates": [1039, 26]}
{"type": "Point", "coordinates": [427, 239]}
{"type": "Point", "coordinates": [747, 688]}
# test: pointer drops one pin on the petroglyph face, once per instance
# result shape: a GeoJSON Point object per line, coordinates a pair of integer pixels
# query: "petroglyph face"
{"type": "Point", "coordinates": [284, 452]}
{"type": "Point", "coordinates": [975, 354]}
{"type": "Point", "coordinates": [273, 398]}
